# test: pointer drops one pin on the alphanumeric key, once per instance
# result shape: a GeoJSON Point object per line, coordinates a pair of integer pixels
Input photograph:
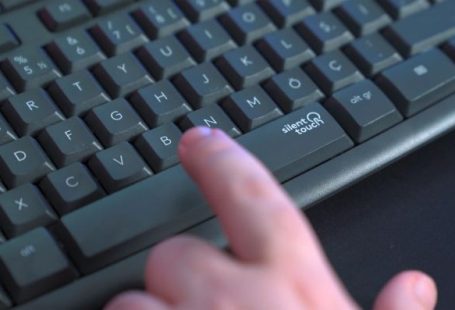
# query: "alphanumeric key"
{"type": "Point", "coordinates": [159, 146]}
{"type": "Point", "coordinates": [202, 85]}
{"type": "Point", "coordinates": [115, 121]}
{"type": "Point", "coordinates": [6, 89]}
{"type": "Point", "coordinates": [333, 71]}
{"type": "Point", "coordinates": [159, 103]}
{"type": "Point", "coordinates": [211, 116]}
{"type": "Point", "coordinates": [75, 51]}
{"type": "Point", "coordinates": [62, 14]}
{"type": "Point", "coordinates": [402, 8]}
{"type": "Point", "coordinates": [160, 18]}
{"type": "Point", "coordinates": [69, 141]}
{"type": "Point", "coordinates": [324, 32]}
{"type": "Point", "coordinates": [120, 75]}
{"type": "Point", "coordinates": [7, 39]}
{"type": "Point", "coordinates": [206, 40]}
{"type": "Point", "coordinates": [372, 54]}
{"type": "Point", "coordinates": [284, 49]}
{"type": "Point", "coordinates": [118, 34]}
{"type": "Point", "coordinates": [325, 4]}
{"type": "Point", "coordinates": [77, 93]}
{"type": "Point", "coordinates": [250, 108]}
{"type": "Point", "coordinates": [198, 10]}
{"type": "Point", "coordinates": [31, 111]}
{"type": "Point", "coordinates": [6, 133]}
{"type": "Point", "coordinates": [98, 7]}
{"type": "Point", "coordinates": [70, 188]}
{"type": "Point", "coordinates": [244, 67]}
{"type": "Point", "coordinates": [24, 208]}
{"type": "Point", "coordinates": [29, 68]}
{"type": "Point", "coordinates": [23, 161]}
{"type": "Point", "coordinates": [363, 16]}
{"type": "Point", "coordinates": [363, 110]}
{"type": "Point", "coordinates": [165, 57]}
{"type": "Point", "coordinates": [247, 23]}
{"type": "Point", "coordinates": [292, 89]}
{"type": "Point", "coordinates": [286, 13]}
{"type": "Point", "coordinates": [118, 166]}
{"type": "Point", "coordinates": [33, 264]}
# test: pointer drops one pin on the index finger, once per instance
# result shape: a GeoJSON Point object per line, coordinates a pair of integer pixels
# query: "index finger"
{"type": "Point", "coordinates": [259, 219]}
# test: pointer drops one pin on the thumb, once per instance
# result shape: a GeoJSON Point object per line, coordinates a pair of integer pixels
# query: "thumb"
{"type": "Point", "coordinates": [408, 290]}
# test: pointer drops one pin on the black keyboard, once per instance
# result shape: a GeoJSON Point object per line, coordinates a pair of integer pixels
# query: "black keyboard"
{"type": "Point", "coordinates": [95, 95]}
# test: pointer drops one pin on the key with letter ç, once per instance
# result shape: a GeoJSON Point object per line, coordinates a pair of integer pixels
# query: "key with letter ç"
{"type": "Point", "coordinates": [304, 138]}
{"type": "Point", "coordinates": [419, 81]}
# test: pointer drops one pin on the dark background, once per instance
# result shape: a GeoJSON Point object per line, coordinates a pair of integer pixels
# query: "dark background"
{"type": "Point", "coordinates": [400, 218]}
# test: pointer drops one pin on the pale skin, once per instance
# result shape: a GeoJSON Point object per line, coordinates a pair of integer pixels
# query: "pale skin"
{"type": "Point", "coordinates": [277, 261]}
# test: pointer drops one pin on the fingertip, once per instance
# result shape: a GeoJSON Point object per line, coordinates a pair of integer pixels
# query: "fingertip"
{"type": "Point", "coordinates": [408, 290]}
{"type": "Point", "coordinates": [135, 300]}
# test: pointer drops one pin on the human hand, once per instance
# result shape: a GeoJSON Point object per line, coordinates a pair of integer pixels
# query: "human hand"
{"type": "Point", "coordinates": [277, 263]}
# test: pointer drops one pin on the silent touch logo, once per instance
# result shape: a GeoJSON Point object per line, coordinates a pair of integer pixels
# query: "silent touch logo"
{"type": "Point", "coordinates": [306, 124]}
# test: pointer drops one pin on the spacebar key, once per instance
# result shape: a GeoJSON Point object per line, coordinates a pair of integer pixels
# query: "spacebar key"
{"type": "Point", "coordinates": [297, 141]}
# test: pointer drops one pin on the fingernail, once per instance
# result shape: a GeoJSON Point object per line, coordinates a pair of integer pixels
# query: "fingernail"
{"type": "Point", "coordinates": [193, 135]}
{"type": "Point", "coordinates": [423, 289]}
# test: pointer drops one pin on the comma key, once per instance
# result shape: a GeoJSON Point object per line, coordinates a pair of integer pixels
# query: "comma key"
{"type": "Point", "coordinates": [305, 138]}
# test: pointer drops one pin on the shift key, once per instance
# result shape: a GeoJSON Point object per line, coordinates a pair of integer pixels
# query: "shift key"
{"type": "Point", "coordinates": [297, 142]}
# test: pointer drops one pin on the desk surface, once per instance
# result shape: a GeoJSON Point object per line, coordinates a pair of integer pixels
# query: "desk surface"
{"type": "Point", "coordinates": [400, 218]}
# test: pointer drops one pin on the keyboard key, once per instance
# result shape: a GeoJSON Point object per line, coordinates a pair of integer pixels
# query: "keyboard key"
{"type": "Point", "coordinates": [165, 57]}
{"type": "Point", "coordinates": [325, 4]}
{"type": "Point", "coordinates": [159, 103]}
{"type": "Point", "coordinates": [372, 54]}
{"type": "Point", "coordinates": [286, 13]}
{"type": "Point", "coordinates": [404, 36]}
{"type": "Point", "coordinates": [5, 301]}
{"type": "Point", "coordinates": [247, 23]}
{"type": "Point", "coordinates": [160, 18]}
{"type": "Point", "coordinates": [363, 16]}
{"type": "Point", "coordinates": [244, 67]}
{"type": "Point", "coordinates": [75, 51]}
{"type": "Point", "coordinates": [250, 108]}
{"type": "Point", "coordinates": [70, 188]}
{"type": "Point", "coordinates": [363, 110]}
{"type": "Point", "coordinates": [98, 7]}
{"type": "Point", "coordinates": [202, 85]}
{"type": "Point", "coordinates": [324, 32]}
{"type": "Point", "coordinates": [23, 161]}
{"type": "Point", "coordinates": [93, 245]}
{"type": "Point", "coordinates": [211, 116]}
{"type": "Point", "coordinates": [31, 111]}
{"type": "Point", "coordinates": [8, 40]}
{"type": "Point", "coordinates": [159, 146]}
{"type": "Point", "coordinates": [6, 133]}
{"type": "Point", "coordinates": [198, 10]}
{"type": "Point", "coordinates": [121, 75]}
{"type": "Point", "coordinates": [284, 49]}
{"type": "Point", "coordinates": [419, 81]}
{"type": "Point", "coordinates": [333, 71]}
{"type": "Point", "coordinates": [402, 8]}
{"type": "Point", "coordinates": [77, 93]}
{"type": "Point", "coordinates": [292, 89]}
{"type": "Point", "coordinates": [206, 40]}
{"type": "Point", "coordinates": [69, 141]}
{"type": "Point", "coordinates": [114, 122]}
{"type": "Point", "coordinates": [63, 14]}
{"type": "Point", "coordinates": [118, 166]}
{"type": "Point", "coordinates": [118, 34]}
{"type": "Point", "coordinates": [8, 5]}
{"type": "Point", "coordinates": [33, 264]}
{"type": "Point", "coordinates": [29, 68]}
{"type": "Point", "coordinates": [24, 208]}
{"type": "Point", "coordinates": [6, 89]}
